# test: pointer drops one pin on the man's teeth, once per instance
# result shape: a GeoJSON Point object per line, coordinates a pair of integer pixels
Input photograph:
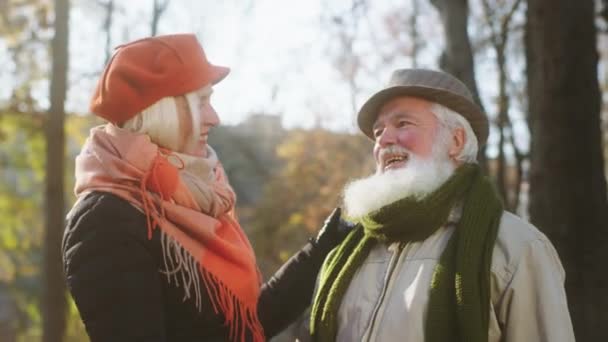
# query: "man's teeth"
{"type": "Point", "coordinates": [394, 160]}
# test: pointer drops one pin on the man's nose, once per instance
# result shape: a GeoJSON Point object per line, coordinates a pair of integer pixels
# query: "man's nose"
{"type": "Point", "coordinates": [387, 137]}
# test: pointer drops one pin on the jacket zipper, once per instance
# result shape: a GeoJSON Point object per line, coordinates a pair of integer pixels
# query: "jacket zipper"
{"type": "Point", "coordinates": [388, 278]}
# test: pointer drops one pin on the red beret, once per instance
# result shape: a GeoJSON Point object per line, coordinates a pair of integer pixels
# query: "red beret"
{"type": "Point", "coordinates": [144, 71]}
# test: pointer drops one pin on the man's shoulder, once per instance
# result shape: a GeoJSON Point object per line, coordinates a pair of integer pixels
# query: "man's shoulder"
{"type": "Point", "coordinates": [515, 238]}
{"type": "Point", "coordinates": [516, 232]}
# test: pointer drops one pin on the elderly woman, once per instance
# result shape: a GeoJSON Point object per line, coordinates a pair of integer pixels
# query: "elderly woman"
{"type": "Point", "coordinates": [153, 250]}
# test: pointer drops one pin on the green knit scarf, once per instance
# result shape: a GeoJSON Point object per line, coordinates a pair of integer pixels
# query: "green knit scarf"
{"type": "Point", "coordinates": [458, 308]}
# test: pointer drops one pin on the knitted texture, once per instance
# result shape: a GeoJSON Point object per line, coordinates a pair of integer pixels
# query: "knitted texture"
{"type": "Point", "coordinates": [459, 295]}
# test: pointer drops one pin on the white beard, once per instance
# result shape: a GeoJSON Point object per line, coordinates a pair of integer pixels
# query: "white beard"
{"type": "Point", "coordinates": [418, 178]}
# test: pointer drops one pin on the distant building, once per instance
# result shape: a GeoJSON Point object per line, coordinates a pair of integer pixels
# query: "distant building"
{"type": "Point", "coordinates": [260, 124]}
{"type": "Point", "coordinates": [248, 152]}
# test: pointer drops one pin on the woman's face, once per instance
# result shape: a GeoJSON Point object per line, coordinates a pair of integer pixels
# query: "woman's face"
{"type": "Point", "coordinates": [207, 118]}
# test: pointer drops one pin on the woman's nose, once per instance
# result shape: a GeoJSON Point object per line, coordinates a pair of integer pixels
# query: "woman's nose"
{"type": "Point", "coordinates": [210, 117]}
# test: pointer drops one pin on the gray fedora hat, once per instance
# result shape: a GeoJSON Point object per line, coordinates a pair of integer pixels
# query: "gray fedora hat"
{"type": "Point", "coordinates": [431, 85]}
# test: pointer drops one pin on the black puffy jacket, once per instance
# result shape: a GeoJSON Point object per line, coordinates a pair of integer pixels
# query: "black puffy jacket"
{"type": "Point", "coordinates": [112, 272]}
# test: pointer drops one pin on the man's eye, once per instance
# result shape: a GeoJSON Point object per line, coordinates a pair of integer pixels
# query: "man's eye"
{"type": "Point", "coordinates": [403, 123]}
{"type": "Point", "coordinates": [377, 132]}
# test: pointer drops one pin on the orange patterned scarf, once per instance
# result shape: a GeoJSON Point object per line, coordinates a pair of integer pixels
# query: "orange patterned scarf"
{"type": "Point", "coordinates": [200, 235]}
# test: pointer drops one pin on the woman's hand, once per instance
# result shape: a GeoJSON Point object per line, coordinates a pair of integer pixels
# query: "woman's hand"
{"type": "Point", "coordinates": [334, 230]}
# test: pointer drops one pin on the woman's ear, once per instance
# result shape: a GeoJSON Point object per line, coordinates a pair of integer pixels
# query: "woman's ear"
{"type": "Point", "coordinates": [458, 140]}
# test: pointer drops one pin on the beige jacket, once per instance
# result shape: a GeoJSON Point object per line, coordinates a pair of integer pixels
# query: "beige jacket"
{"type": "Point", "coordinates": [387, 298]}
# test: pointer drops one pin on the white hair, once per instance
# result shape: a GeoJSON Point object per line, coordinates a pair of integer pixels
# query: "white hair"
{"type": "Point", "coordinates": [420, 176]}
{"type": "Point", "coordinates": [160, 121]}
{"type": "Point", "coordinates": [450, 120]}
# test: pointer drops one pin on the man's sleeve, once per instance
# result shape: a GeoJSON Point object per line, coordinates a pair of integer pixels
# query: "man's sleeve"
{"type": "Point", "coordinates": [534, 305]}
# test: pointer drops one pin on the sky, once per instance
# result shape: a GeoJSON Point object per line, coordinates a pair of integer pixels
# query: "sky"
{"type": "Point", "coordinates": [283, 55]}
{"type": "Point", "coordinates": [274, 48]}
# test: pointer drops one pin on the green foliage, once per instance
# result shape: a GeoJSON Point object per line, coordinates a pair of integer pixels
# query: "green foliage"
{"type": "Point", "coordinates": [75, 331]}
{"type": "Point", "coordinates": [22, 162]}
{"type": "Point", "coordinates": [21, 215]}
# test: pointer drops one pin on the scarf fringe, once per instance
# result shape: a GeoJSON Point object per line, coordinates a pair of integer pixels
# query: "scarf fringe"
{"type": "Point", "coordinates": [183, 269]}
{"type": "Point", "coordinates": [238, 317]}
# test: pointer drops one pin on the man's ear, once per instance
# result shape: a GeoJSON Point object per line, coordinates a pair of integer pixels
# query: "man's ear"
{"type": "Point", "coordinates": [458, 140]}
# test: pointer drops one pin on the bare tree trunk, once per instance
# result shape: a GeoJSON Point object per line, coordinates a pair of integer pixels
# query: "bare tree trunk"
{"type": "Point", "coordinates": [604, 10]}
{"type": "Point", "coordinates": [499, 26]}
{"type": "Point", "coordinates": [157, 11]}
{"type": "Point", "coordinates": [503, 108]}
{"type": "Point", "coordinates": [348, 62]}
{"type": "Point", "coordinates": [107, 26]}
{"type": "Point", "coordinates": [415, 37]}
{"type": "Point", "coordinates": [54, 298]}
{"type": "Point", "coordinates": [8, 316]}
{"type": "Point", "coordinates": [513, 205]}
{"type": "Point", "coordinates": [567, 182]}
{"type": "Point", "coordinates": [457, 58]}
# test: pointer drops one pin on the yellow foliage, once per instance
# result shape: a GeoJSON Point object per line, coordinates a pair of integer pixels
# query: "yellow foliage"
{"type": "Point", "coordinates": [316, 165]}
{"type": "Point", "coordinates": [22, 176]}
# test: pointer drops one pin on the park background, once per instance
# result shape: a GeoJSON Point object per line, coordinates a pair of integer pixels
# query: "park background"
{"type": "Point", "coordinates": [288, 139]}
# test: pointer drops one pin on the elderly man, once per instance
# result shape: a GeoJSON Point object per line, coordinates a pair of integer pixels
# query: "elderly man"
{"type": "Point", "coordinates": [434, 256]}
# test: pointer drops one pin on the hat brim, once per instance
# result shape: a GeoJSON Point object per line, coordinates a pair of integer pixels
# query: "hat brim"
{"type": "Point", "coordinates": [218, 73]}
{"type": "Point", "coordinates": [470, 111]}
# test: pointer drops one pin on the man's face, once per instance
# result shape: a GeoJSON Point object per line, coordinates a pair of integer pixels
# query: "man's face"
{"type": "Point", "coordinates": [408, 123]}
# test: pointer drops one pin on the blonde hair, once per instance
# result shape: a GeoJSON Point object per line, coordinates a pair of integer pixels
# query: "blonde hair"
{"type": "Point", "coordinates": [160, 121]}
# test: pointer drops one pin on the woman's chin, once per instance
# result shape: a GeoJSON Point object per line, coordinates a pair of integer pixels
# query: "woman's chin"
{"type": "Point", "coordinates": [199, 151]}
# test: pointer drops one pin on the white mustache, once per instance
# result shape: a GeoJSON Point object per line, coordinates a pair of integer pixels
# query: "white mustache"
{"type": "Point", "coordinates": [393, 149]}
{"type": "Point", "coordinates": [418, 179]}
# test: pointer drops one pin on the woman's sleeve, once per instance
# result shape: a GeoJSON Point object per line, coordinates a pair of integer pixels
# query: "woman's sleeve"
{"type": "Point", "coordinates": [289, 291]}
{"type": "Point", "coordinates": [113, 279]}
